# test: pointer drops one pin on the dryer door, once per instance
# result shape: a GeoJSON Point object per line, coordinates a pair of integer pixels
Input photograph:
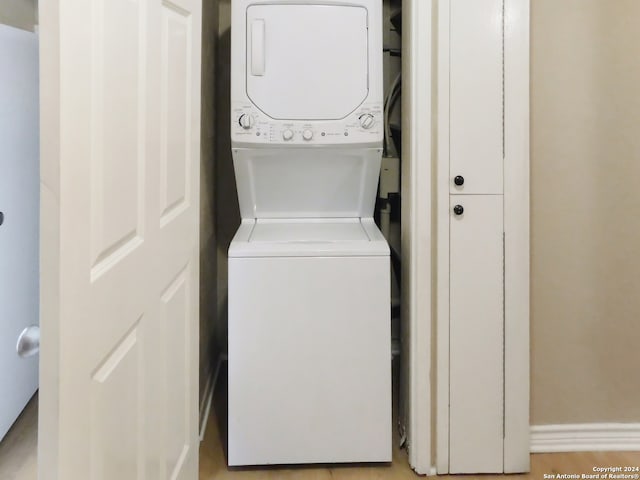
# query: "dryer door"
{"type": "Point", "coordinates": [307, 62]}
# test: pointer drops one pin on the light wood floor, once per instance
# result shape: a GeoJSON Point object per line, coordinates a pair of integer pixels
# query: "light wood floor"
{"type": "Point", "coordinates": [18, 449]}
{"type": "Point", "coordinates": [18, 460]}
{"type": "Point", "coordinates": [213, 466]}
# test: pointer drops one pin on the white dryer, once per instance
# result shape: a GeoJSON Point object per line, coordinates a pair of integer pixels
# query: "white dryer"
{"type": "Point", "coordinates": [309, 286]}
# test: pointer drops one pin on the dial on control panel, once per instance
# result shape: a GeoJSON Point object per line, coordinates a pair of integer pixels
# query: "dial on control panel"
{"type": "Point", "coordinates": [307, 134]}
{"type": "Point", "coordinates": [367, 120]}
{"type": "Point", "coordinates": [246, 121]}
{"type": "Point", "coordinates": [287, 134]}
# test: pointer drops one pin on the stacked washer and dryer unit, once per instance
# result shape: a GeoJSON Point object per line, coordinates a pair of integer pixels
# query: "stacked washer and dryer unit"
{"type": "Point", "coordinates": [309, 286]}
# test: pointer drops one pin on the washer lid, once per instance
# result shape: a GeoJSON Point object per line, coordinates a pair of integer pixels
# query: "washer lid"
{"type": "Point", "coordinates": [327, 237]}
{"type": "Point", "coordinates": [307, 62]}
{"type": "Point", "coordinates": [309, 231]}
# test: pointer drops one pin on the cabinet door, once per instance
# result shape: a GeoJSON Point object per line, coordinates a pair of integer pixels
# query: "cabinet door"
{"type": "Point", "coordinates": [476, 334]}
{"type": "Point", "coordinates": [19, 183]}
{"type": "Point", "coordinates": [476, 89]}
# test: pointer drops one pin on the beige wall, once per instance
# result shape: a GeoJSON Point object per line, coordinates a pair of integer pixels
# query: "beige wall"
{"type": "Point", "coordinates": [19, 13]}
{"type": "Point", "coordinates": [208, 315]}
{"type": "Point", "coordinates": [585, 218]}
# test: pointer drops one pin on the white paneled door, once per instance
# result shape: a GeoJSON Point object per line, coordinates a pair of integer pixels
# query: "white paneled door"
{"type": "Point", "coordinates": [120, 101]}
{"type": "Point", "coordinates": [18, 217]}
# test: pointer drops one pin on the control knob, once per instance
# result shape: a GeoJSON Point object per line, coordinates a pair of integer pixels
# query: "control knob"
{"type": "Point", "coordinates": [246, 121]}
{"type": "Point", "coordinates": [307, 135]}
{"type": "Point", "coordinates": [287, 134]}
{"type": "Point", "coordinates": [367, 120]}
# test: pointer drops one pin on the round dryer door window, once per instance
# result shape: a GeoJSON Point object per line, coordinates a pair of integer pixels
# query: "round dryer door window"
{"type": "Point", "coordinates": [307, 62]}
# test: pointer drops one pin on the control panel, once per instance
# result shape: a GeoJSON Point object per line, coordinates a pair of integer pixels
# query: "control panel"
{"type": "Point", "coordinates": [250, 125]}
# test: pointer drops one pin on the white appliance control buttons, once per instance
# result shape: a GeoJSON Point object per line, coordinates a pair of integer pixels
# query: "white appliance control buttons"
{"type": "Point", "coordinates": [246, 121]}
{"type": "Point", "coordinates": [367, 120]}
{"type": "Point", "coordinates": [307, 135]}
{"type": "Point", "coordinates": [287, 134]}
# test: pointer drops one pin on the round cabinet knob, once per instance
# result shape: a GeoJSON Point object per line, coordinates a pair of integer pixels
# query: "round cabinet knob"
{"type": "Point", "coordinates": [246, 121]}
{"type": "Point", "coordinates": [458, 209]}
{"type": "Point", "coordinates": [459, 180]}
{"type": "Point", "coordinates": [287, 134]}
{"type": "Point", "coordinates": [307, 134]}
{"type": "Point", "coordinates": [367, 121]}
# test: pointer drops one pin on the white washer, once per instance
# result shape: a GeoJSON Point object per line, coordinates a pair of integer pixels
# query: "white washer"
{"type": "Point", "coordinates": [309, 287]}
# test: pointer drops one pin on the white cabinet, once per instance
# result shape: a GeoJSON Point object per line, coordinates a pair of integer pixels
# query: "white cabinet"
{"type": "Point", "coordinates": [476, 253]}
{"type": "Point", "coordinates": [482, 228]}
{"type": "Point", "coordinates": [19, 183]}
{"type": "Point", "coordinates": [476, 334]}
{"type": "Point", "coordinates": [476, 92]}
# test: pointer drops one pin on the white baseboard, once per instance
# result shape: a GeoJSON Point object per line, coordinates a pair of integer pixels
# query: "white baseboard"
{"type": "Point", "coordinates": [585, 437]}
